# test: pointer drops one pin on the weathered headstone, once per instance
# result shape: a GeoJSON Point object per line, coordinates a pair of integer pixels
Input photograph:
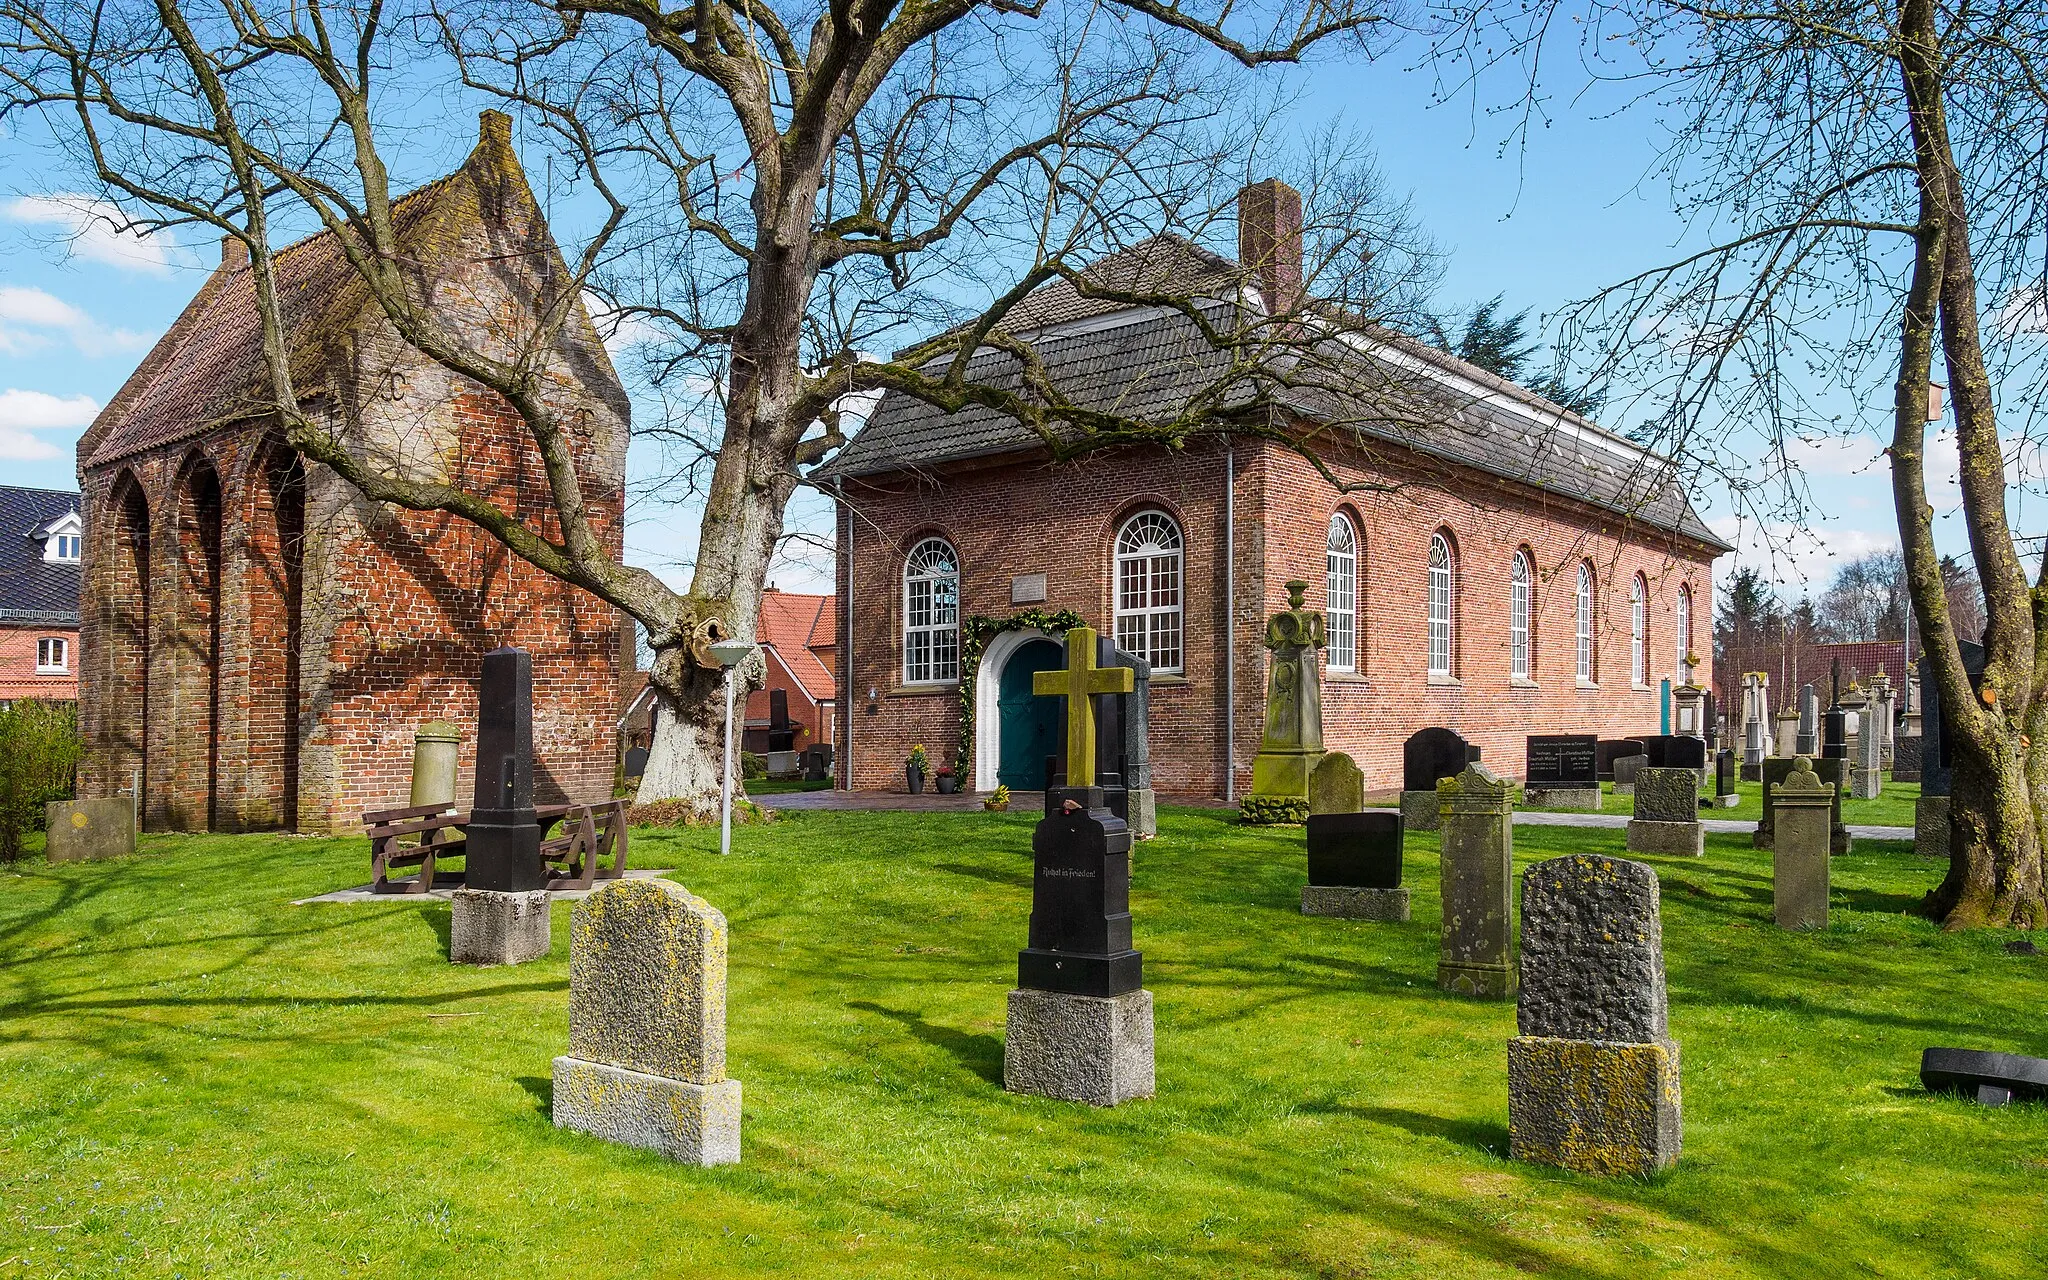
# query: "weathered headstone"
{"type": "Point", "coordinates": [1725, 796]}
{"type": "Point", "coordinates": [1756, 715]}
{"type": "Point", "coordinates": [88, 830]}
{"type": "Point", "coordinates": [646, 1060]}
{"type": "Point", "coordinates": [1833, 772]}
{"type": "Point", "coordinates": [636, 761]}
{"type": "Point", "coordinates": [1129, 733]}
{"type": "Point", "coordinates": [1561, 772]}
{"type": "Point", "coordinates": [1883, 712]}
{"type": "Point", "coordinates": [1802, 818]}
{"type": "Point", "coordinates": [1626, 770]}
{"type": "Point", "coordinates": [1293, 740]}
{"type": "Point", "coordinates": [1608, 750]}
{"type": "Point", "coordinates": [1080, 1021]}
{"type": "Point", "coordinates": [1354, 867]}
{"type": "Point", "coordinates": [1807, 741]}
{"type": "Point", "coordinates": [1906, 759]}
{"type": "Point", "coordinates": [1786, 738]}
{"type": "Point", "coordinates": [500, 914]}
{"type": "Point", "coordinates": [1476, 956]}
{"type": "Point", "coordinates": [1427, 758]}
{"type": "Point", "coordinates": [1593, 1076]}
{"type": "Point", "coordinates": [1335, 785]}
{"type": "Point", "coordinates": [1867, 778]}
{"type": "Point", "coordinates": [1667, 813]}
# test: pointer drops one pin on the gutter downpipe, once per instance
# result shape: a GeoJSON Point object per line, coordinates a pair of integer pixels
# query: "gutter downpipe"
{"type": "Point", "coordinates": [845, 708]}
{"type": "Point", "coordinates": [1229, 621]}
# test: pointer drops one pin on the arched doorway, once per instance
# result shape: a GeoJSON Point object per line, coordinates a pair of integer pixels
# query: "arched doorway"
{"type": "Point", "coordinates": [195, 651]}
{"type": "Point", "coordinates": [123, 698]}
{"type": "Point", "coordinates": [1028, 726]}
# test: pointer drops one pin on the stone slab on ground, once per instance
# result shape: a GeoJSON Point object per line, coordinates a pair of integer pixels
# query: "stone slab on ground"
{"type": "Point", "coordinates": [1594, 1107]}
{"type": "Point", "coordinates": [1671, 839]}
{"type": "Point", "coordinates": [492, 928]}
{"type": "Point", "coordinates": [88, 830]}
{"type": "Point", "coordinates": [1349, 903]}
{"type": "Point", "coordinates": [690, 1123]}
{"type": "Point", "coordinates": [1092, 1049]}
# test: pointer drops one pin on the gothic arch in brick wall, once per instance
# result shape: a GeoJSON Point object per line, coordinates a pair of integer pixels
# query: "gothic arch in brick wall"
{"type": "Point", "coordinates": [123, 632]}
{"type": "Point", "coordinates": [273, 515]}
{"type": "Point", "coordinates": [194, 651]}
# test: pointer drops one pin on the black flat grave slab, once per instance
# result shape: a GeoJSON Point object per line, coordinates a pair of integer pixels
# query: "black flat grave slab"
{"type": "Point", "coordinates": [1993, 1079]}
{"type": "Point", "coordinates": [1354, 850]}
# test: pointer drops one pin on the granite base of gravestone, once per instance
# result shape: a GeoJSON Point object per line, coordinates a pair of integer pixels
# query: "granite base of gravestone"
{"type": "Point", "coordinates": [1667, 814]}
{"type": "Point", "coordinates": [1930, 826]}
{"type": "Point", "coordinates": [1562, 772]}
{"type": "Point", "coordinates": [489, 927]}
{"type": "Point", "coordinates": [646, 1060]}
{"type": "Point", "coordinates": [1593, 1075]}
{"type": "Point", "coordinates": [1906, 759]}
{"type": "Point", "coordinates": [1335, 785]}
{"type": "Point", "coordinates": [1833, 772]}
{"type": "Point", "coordinates": [1802, 813]}
{"type": "Point", "coordinates": [1626, 769]}
{"type": "Point", "coordinates": [1354, 867]}
{"type": "Point", "coordinates": [88, 830]}
{"type": "Point", "coordinates": [1476, 944]}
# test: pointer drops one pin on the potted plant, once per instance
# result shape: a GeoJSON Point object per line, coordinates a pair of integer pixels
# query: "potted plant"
{"type": "Point", "coordinates": [948, 781]}
{"type": "Point", "coordinates": [914, 769]}
{"type": "Point", "coordinates": [997, 801]}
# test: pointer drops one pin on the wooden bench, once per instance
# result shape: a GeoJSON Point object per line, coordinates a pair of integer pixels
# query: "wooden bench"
{"type": "Point", "coordinates": [592, 845]}
{"type": "Point", "coordinates": [575, 859]}
{"type": "Point", "coordinates": [412, 837]}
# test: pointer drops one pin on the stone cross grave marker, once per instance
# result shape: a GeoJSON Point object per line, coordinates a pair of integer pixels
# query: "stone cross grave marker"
{"type": "Point", "coordinates": [1562, 771]}
{"type": "Point", "coordinates": [1476, 956]}
{"type": "Point", "coordinates": [1593, 1076]}
{"type": "Point", "coordinates": [1667, 813]}
{"type": "Point", "coordinates": [1079, 680]}
{"type": "Point", "coordinates": [646, 1060]}
{"type": "Point", "coordinates": [1427, 758]}
{"type": "Point", "coordinates": [1335, 785]}
{"type": "Point", "coordinates": [1802, 817]}
{"type": "Point", "coordinates": [500, 915]}
{"type": "Point", "coordinates": [1354, 867]}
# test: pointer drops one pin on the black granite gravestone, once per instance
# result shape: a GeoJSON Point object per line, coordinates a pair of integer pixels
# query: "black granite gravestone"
{"type": "Point", "coordinates": [1430, 755]}
{"type": "Point", "coordinates": [1562, 760]}
{"type": "Point", "coordinates": [781, 729]}
{"type": "Point", "coordinates": [1937, 765]}
{"type": "Point", "coordinates": [504, 840]}
{"type": "Point", "coordinates": [1834, 741]}
{"type": "Point", "coordinates": [1724, 773]}
{"type": "Point", "coordinates": [636, 761]}
{"type": "Point", "coordinates": [1608, 750]}
{"type": "Point", "coordinates": [1354, 850]}
{"type": "Point", "coordinates": [1675, 751]}
{"type": "Point", "coordinates": [1991, 1079]}
{"type": "Point", "coordinates": [1080, 939]}
{"type": "Point", "coordinates": [1712, 721]}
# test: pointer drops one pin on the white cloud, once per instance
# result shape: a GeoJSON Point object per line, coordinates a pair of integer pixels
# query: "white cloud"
{"type": "Point", "coordinates": [1854, 455]}
{"type": "Point", "coordinates": [1798, 561]}
{"type": "Point", "coordinates": [30, 320]}
{"type": "Point", "coordinates": [22, 413]}
{"type": "Point", "coordinates": [620, 331]}
{"type": "Point", "coordinates": [95, 231]}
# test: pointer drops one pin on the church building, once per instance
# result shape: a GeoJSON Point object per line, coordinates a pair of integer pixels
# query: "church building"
{"type": "Point", "coordinates": [1506, 568]}
{"type": "Point", "coordinates": [260, 641]}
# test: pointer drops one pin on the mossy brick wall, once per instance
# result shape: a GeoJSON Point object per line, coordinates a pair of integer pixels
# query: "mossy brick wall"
{"type": "Point", "coordinates": [1009, 518]}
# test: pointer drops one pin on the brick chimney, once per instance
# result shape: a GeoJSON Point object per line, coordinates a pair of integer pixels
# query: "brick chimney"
{"type": "Point", "coordinates": [494, 127]}
{"type": "Point", "coordinates": [1269, 241]}
{"type": "Point", "coordinates": [233, 253]}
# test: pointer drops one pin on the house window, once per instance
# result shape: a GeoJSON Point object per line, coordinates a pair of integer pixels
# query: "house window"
{"type": "Point", "coordinates": [931, 613]}
{"type": "Point", "coordinates": [1341, 609]}
{"type": "Point", "coordinates": [1684, 628]}
{"type": "Point", "coordinates": [53, 655]}
{"type": "Point", "coordinates": [1519, 587]}
{"type": "Point", "coordinates": [66, 547]}
{"type": "Point", "coordinates": [1639, 631]}
{"type": "Point", "coordinates": [1584, 621]}
{"type": "Point", "coordinates": [1440, 601]}
{"type": "Point", "coordinates": [1148, 595]}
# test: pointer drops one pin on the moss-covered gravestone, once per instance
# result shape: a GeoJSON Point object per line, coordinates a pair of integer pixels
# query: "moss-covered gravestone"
{"type": "Point", "coordinates": [1593, 1076]}
{"type": "Point", "coordinates": [1336, 785]}
{"type": "Point", "coordinates": [1667, 813]}
{"type": "Point", "coordinates": [1476, 956]}
{"type": "Point", "coordinates": [646, 1060]}
{"type": "Point", "coordinates": [1293, 740]}
{"type": "Point", "coordinates": [1801, 808]}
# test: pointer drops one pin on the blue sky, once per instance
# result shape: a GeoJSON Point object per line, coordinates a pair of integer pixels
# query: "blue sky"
{"type": "Point", "coordinates": [1543, 224]}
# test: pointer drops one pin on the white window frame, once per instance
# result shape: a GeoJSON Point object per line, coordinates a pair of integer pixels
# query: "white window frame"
{"type": "Point", "coordinates": [1148, 590]}
{"type": "Point", "coordinates": [1638, 631]}
{"type": "Point", "coordinates": [1683, 627]}
{"type": "Point", "coordinates": [1521, 590]}
{"type": "Point", "coordinates": [64, 539]}
{"type": "Point", "coordinates": [1340, 579]}
{"type": "Point", "coordinates": [1582, 609]}
{"type": "Point", "coordinates": [1443, 606]}
{"type": "Point", "coordinates": [61, 647]}
{"type": "Point", "coordinates": [931, 613]}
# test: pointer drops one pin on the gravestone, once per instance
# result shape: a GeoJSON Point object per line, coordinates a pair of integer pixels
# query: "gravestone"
{"type": "Point", "coordinates": [1787, 736]}
{"type": "Point", "coordinates": [1667, 813]}
{"type": "Point", "coordinates": [1127, 731]}
{"type": "Point", "coordinates": [1906, 759]}
{"type": "Point", "coordinates": [1833, 772]}
{"type": "Point", "coordinates": [1807, 741]}
{"type": "Point", "coordinates": [1080, 683]}
{"type": "Point", "coordinates": [1293, 740]}
{"type": "Point", "coordinates": [1756, 715]}
{"type": "Point", "coordinates": [1802, 819]}
{"type": "Point", "coordinates": [1626, 770]}
{"type": "Point", "coordinates": [1354, 867]}
{"type": "Point", "coordinates": [1834, 737]}
{"type": "Point", "coordinates": [1562, 772]}
{"type": "Point", "coordinates": [1867, 778]}
{"type": "Point", "coordinates": [817, 760]}
{"type": "Point", "coordinates": [646, 1060]}
{"type": "Point", "coordinates": [1931, 810]}
{"type": "Point", "coordinates": [781, 729]}
{"type": "Point", "coordinates": [500, 914]}
{"type": "Point", "coordinates": [1985, 1078]}
{"type": "Point", "coordinates": [1593, 1076]}
{"type": "Point", "coordinates": [1335, 785]}
{"type": "Point", "coordinates": [636, 762]}
{"type": "Point", "coordinates": [1883, 712]}
{"type": "Point", "coordinates": [1427, 758]}
{"type": "Point", "coordinates": [1476, 951]}
{"type": "Point", "coordinates": [1080, 1022]}
{"type": "Point", "coordinates": [88, 830]}
{"type": "Point", "coordinates": [1677, 751]}
{"type": "Point", "coordinates": [1608, 750]}
{"type": "Point", "coordinates": [1712, 716]}
{"type": "Point", "coordinates": [1725, 796]}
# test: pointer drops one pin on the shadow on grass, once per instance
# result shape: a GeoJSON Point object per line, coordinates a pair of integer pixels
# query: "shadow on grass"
{"type": "Point", "coordinates": [1008, 879]}
{"type": "Point", "coordinates": [543, 1090]}
{"type": "Point", "coordinates": [1480, 1135]}
{"type": "Point", "coordinates": [980, 1054]}
{"type": "Point", "coordinates": [440, 917]}
{"type": "Point", "coordinates": [1878, 902]}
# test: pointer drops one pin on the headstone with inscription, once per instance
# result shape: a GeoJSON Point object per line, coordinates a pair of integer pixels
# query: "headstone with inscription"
{"type": "Point", "coordinates": [1427, 758]}
{"type": "Point", "coordinates": [1667, 813]}
{"type": "Point", "coordinates": [1593, 1076]}
{"type": "Point", "coordinates": [1562, 772]}
{"type": "Point", "coordinates": [1725, 796]}
{"type": "Point", "coordinates": [500, 914]}
{"type": "Point", "coordinates": [1835, 773]}
{"type": "Point", "coordinates": [1834, 736]}
{"type": "Point", "coordinates": [1354, 867]}
{"type": "Point", "coordinates": [1476, 954]}
{"type": "Point", "coordinates": [1802, 815]}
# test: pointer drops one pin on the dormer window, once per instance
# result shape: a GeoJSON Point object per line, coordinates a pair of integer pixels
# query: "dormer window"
{"type": "Point", "coordinates": [66, 548]}
{"type": "Point", "coordinates": [64, 539]}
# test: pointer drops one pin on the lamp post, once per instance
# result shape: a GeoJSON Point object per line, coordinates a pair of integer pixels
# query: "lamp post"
{"type": "Point", "coordinates": [730, 653]}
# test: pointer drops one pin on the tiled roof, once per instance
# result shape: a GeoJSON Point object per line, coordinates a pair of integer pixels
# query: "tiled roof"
{"type": "Point", "coordinates": [1382, 389]}
{"type": "Point", "coordinates": [34, 591]}
{"type": "Point", "coordinates": [1862, 659]}
{"type": "Point", "coordinates": [794, 625]}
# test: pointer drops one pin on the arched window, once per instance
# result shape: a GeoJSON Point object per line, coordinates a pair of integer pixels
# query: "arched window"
{"type": "Point", "coordinates": [1521, 585]}
{"type": "Point", "coordinates": [1148, 596]}
{"type": "Point", "coordinates": [1442, 574]}
{"type": "Point", "coordinates": [931, 613]}
{"type": "Point", "coordinates": [1341, 610]}
{"type": "Point", "coordinates": [1583, 610]}
{"type": "Point", "coordinates": [1639, 631]}
{"type": "Point", "coordinates": [1684, 628]}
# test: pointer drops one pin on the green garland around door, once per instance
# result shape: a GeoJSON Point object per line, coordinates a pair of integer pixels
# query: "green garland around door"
{"type": "Point", "coordinates": [975, 633]}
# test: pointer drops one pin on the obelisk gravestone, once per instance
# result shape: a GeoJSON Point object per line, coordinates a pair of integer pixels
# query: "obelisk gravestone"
{"type": "Point", "coordinates": [501, 912]}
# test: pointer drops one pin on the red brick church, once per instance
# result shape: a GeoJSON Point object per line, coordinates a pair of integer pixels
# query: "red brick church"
{"type": "Point", "coordinates": [260, 640]}
{"type": "Point", "coordinates": [1513, 569]}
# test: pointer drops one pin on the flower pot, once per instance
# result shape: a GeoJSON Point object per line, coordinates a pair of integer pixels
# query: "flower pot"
{"type": "Point", "coordinates": [948, 783]}
{"type": "Point", "coordinates": [915, 777]}
{"type": "Point", "coordinates": [996, 806]}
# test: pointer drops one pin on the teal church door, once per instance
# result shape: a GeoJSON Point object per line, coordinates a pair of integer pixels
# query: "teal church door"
{"type": "Point", "coordinates": [1030, 725]}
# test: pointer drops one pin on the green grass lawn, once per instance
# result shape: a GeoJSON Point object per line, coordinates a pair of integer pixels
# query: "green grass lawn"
{"type": "Point", "coordinates": [197, 1078]}
{"type": "Point", "coordinates": [1892, 809]}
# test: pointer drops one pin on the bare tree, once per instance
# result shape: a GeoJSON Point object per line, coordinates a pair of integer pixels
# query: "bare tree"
{"type": "Point", "coordinates": [781, 193]}
{"type": "Point", "coordinates": [1866, 600]}
{"type": "Point", "coordinates": [1859, 175]}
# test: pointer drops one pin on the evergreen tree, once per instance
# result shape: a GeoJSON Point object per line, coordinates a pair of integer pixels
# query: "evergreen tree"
{"type": "Point", "coordinates": [1501, 345]}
